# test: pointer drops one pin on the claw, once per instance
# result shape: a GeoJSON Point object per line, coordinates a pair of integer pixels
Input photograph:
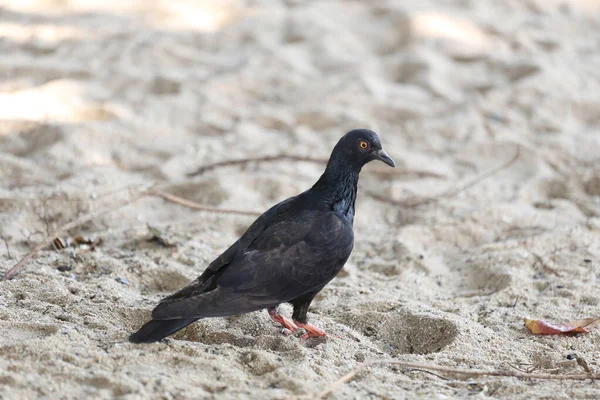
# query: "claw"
{"type": "Point", "coordinates": [288, 326]}
{"type": "Point", "coordinates": [311, 330]}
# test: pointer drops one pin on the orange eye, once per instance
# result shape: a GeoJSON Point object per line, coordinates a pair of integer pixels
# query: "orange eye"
{"type": "Point", "coordinates": [363, 144]}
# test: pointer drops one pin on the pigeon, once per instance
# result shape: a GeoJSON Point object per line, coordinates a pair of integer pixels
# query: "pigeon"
{"type": "Point", "coordinates": [286, 256]}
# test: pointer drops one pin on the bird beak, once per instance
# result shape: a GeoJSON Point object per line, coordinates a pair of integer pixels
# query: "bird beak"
{"type": "Point", "coordinates": [385, 157]}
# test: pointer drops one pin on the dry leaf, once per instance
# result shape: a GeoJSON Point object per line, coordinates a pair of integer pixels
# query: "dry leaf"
{"type": "Point", "coordinates": [85, 242]}
{"type": "Point", "coordinates": [540, 327]}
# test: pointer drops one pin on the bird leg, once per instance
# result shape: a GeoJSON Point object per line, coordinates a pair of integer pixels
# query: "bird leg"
{"type": "Point", "coordinates": [301, 305]}
{"type": "Point", "coordinates": [288, 326]}
{"type": "Point", "coordinates": [311, 330]}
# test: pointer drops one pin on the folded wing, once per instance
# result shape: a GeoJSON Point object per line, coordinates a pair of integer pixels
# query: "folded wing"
{"type": "Point", "coordinates": [285, 261]}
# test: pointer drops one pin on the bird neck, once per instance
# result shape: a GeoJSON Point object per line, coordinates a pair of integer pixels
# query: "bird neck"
{"type": "Point", "coordinates": [338, 186]}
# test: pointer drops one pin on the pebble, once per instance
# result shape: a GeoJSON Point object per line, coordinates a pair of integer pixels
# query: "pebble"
{"type": "Point", "coordinates": [123, 281]}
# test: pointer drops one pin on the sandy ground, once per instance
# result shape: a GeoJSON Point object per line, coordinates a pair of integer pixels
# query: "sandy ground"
{"type": "Point", "coordinates": [100, 96]}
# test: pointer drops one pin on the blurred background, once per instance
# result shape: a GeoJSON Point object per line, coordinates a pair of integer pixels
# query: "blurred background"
{"type": "Point", "coordinates": [147, 89]}
{"type": "Point", "coordinates": [98, 97]}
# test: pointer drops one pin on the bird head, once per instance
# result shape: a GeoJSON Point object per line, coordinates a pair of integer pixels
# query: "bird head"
{"type": "Point", "coordinates": [361, 146]}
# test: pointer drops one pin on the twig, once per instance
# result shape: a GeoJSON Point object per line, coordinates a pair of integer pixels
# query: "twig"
{"type": "Point", "coordinates": [44, 216]}
{"type": "Point", "coordinates": [583, 364]}
{"type": "Point", "coordinates": [451, 192]}
{"type": "Point", "coordinates": [244, 161]}
{"type": "Point", "coordinates": [5, 240]}
{"type": "Point", "coordinates": [530, 367]}
{"type": "Point", "coordinates": [199, 207]}
{"type": "Point", "coordinates": [468, 372]}
{"type": "Point", "coordinates": [545, 267]}
{"type": "Point", "coordinates": [430, 373]}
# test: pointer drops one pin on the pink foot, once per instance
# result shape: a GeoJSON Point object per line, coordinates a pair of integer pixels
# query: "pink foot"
{"type": "Point", "coordinates": [311, 330]}
{"type": "Point", "coordinates": [288, 326]}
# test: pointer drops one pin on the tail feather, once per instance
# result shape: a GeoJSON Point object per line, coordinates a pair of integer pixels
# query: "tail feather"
{"type": "Point", "coordinates": [155, 330]}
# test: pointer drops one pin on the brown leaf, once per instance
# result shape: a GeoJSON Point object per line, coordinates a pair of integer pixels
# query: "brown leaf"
{"type": "Point", "coordinates": [79, 240]}
{"type": "Point", "coordinates": [60, 243]}
{"type": "Point", "coordinates": [540, 327]}
{"type": "Point", "coordinates": [89, 244]}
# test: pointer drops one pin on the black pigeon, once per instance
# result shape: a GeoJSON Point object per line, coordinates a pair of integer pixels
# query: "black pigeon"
{"type": "Point", "coordinates": [286, 256]}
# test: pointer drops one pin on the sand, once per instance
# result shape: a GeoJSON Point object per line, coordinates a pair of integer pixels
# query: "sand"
{"type": "Point", "coordinates": [99, 98]}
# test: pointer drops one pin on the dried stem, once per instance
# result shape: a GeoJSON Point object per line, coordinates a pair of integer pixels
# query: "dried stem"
{"type": "Point", "coordinates": [44, 216]}
{"type": "Point", "coordinates": [5, 240]}
{"type": "Point", "coordinates": [583, 364]}
{"type": "Point", "coordinates": [539, 260]}
{"type": "Point", "coordinates": [244, 161]}
{"type": "Point", "coordinates": [467, 372]}
{"type": "Point", "coordinates": [199, 207]}
{"type": "Point", "coordinates": [451, 192]}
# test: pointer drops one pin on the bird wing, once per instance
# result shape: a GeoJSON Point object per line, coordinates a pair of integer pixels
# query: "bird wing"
{"type": "Point", "coordinates": [207, 280]}
{"type": "Point", "coordinates": [286, 260]}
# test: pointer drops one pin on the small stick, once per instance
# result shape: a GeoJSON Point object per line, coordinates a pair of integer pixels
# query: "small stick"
{"type": "Point", "coordinates": [199, 207]}
{"type": "Point", "coordinates": [451, 192]}
{"type": "Point", "coordinates": [430, 373]}
{"type": "Point", "coordinates": [545, 267]}
{"type": "Point", "coordinates": [468, 372]}
{"type": "Point", "coordinates": [244, 161]}
{"type": "Point", "coordinates": [44, 216]}
{"type": "Point", "coordinates": [5, 240]}
{"type": "Point", "coordinates": [583, 364]}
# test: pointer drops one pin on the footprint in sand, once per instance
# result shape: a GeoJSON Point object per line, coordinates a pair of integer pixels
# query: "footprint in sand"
{"type": "Point", "coordinates": [402, 332]}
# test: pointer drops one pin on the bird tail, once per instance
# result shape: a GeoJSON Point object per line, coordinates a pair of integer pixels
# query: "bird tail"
{"type": "Point", "coordinates": [155, 330]}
